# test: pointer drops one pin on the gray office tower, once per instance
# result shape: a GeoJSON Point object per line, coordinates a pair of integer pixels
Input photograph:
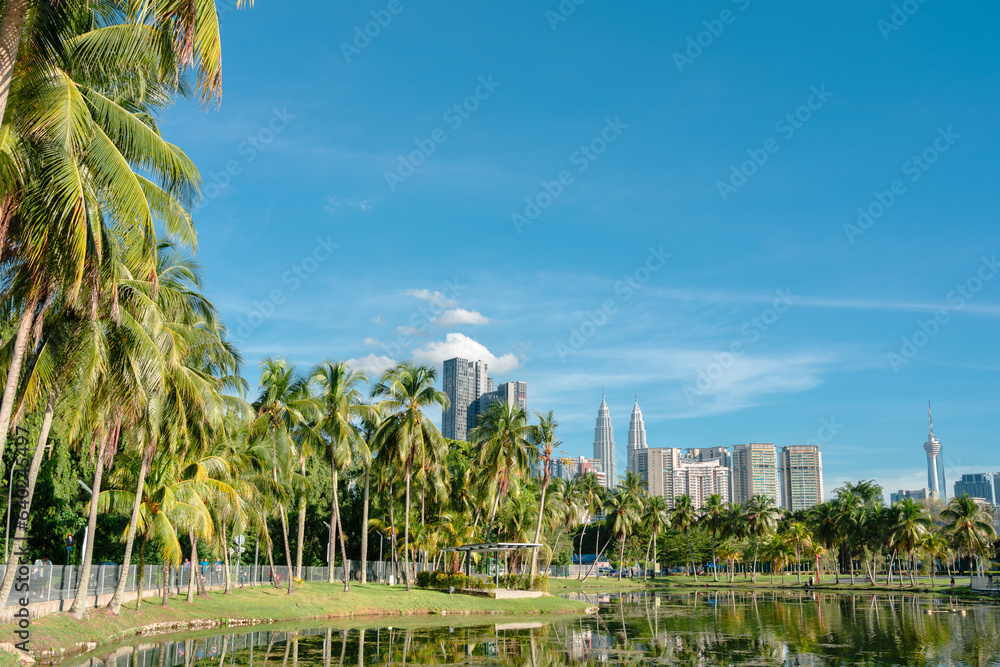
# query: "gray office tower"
{"type": "Point", "coordinates": [976, 485]}
{"type": "Point", "coordinates": [511, 393]}
{"type": "Point", "coordinates": [464, 382]}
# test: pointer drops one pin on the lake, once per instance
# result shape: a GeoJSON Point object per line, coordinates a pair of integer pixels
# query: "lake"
{"type": "Point", "coordinates": [631, 628]}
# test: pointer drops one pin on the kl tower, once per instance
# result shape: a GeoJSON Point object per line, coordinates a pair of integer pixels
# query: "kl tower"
{"type": "Point", "coordinates": [933, 448]}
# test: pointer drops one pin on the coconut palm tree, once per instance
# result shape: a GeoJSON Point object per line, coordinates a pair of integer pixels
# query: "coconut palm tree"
{"type": "Point", "coordinates": [823, 520]}
{"type": "Point", "coordinates": [684, 517]}
{"type": "Point", "coordinates": [407, 435]}
{"type": "Point", "coordinates": [911, 523]}
{"type": "Point", "coordinates": [543, 441]}
{"type": "Point", "coordinates": [970, 526]}
{"type": "Point", "coordinates": [713, 518]}
{"type": "Point", "coordinates": [761, 520]}
{"type": "Point", "coordinates": [590, 493]}
{"type": "Point", "coordinates": [655, 517]}
{"type": "Point", "coordinates": [935, 545]}
{"type": "Point", "coordinates": [799, 539]}
{"type": "Point", "coordinates": [502, 438]}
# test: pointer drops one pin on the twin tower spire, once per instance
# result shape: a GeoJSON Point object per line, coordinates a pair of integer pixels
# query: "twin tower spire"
{"type": "Point", "coordinates": [604, 441]}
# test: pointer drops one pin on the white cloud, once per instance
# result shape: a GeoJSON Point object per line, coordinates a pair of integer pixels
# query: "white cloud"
{"type": "Point", "coordinates": [372, 364]}
{"type": "Point", "coordinates": [337, 204]}
{"type": "Point", "coordinates": [378, 320]}
{"type": "Point", "coordinates": [459, 316]}
{"type": "Point", "coordinates": [460, 345]}
{"type": "Point", "coordinates": [372, 342]}
{"type": "Point", "coordinates": [410, 331]}
{"type": "Point", "coordinates": [437, 298]}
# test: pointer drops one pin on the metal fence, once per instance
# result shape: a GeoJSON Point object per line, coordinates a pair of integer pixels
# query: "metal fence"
{"type": "Point", "coordinates": [60, 582]}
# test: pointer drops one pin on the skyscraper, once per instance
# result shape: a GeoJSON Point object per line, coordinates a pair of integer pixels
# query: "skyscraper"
{"type": "Point", "coordinates": [720, 454]}
{"type": "Point", "coordinates": [935, 464]}
{"type": "Point", "coordinates": [976, 485]}
{"type": "Point", "coordinates": [636, 438]}
{"type": "Point", "coordinates": [667, 473]}
{"type": "Point", "coordinates": [755, 471]}
{"type": "Point", "coordinates": [463, 382]}
{"type": "Point", "coordinates": [800, 469]}
{"type": "Point", "coordinates": [604, 444]}
{"type": "Point", "coordinates": [511, 393]}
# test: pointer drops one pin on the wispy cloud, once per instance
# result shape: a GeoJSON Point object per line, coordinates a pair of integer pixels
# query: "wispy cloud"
{"type": "Point", "coordinates": [336, 205]}
{"type": "Point", "coordinates": [372, 364]}
{"type": "Point", "coordinates": [460, 316]}
{"type": "Point", "coordinates": [435, 297]}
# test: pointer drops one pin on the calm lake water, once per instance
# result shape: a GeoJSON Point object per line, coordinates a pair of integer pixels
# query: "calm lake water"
{"type": "Point", "coordinates": [706, 628]}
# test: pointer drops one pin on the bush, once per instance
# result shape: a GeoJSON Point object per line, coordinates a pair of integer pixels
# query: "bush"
{"type": "Point", "coordinates": [423, 579]}
{"type": "Point", "coordinates": [442, 581]}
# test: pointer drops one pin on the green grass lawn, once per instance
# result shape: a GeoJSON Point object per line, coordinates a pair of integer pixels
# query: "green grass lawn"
{"type": "Point", "coordinates": [311, 601]}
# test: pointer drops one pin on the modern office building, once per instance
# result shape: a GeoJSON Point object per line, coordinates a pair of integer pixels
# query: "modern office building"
{"type": "Point", "coordinates": [463, 382]}
{"type": "Point", "coordinates": [604, 444]}
{"type": "Point", "coordinates": [935, 460]}
{"type": "Point", "coordinates": [913, 494]}
{"type": "Point", "coordinates": [511, 393]}
{"type": "Point", "coordinates": [976, 485]}
{"type": "Point", "coordinates": [800, 471]}
{"type": "Point", "coordinates": [636, 438]}
{"type": "Point", "coordinates": [755, 471]}
{"type": "Point", "coordinates": [667, 473]}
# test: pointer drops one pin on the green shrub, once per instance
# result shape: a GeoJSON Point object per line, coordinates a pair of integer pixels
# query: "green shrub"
{"type": "Point", "coordinates": [423, 579]}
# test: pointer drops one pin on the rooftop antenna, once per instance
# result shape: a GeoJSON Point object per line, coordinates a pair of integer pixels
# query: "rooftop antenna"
{"type": "Point", "coordinates": [930, 421]}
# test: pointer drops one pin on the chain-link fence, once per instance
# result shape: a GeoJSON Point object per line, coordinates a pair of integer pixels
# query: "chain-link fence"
{"type": "Point", "coordinates": [48, 582]}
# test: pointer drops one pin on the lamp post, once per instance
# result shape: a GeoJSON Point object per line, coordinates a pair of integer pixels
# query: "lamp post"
{"type": "Point", "coordinates": [86, 529]}
{"type": "Point", "coordinates": [381, 541]}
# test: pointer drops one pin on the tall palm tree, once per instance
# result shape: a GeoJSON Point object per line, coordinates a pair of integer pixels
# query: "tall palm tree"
{"type": "Point", "coordinates": [762, 520]}
{"type": "Point", "coordinates": [911, 522]}
{"type": "Point", "coordinates": [283, 405]}
{"type": "Point", "coordinates": [970, 526]}
{"type": "Point", "coordinates": [590, 493]}
{"type": "Point", "coordinates": [342, 406]}
{"type": "Point", "coordinates": [543, 441]}
{"type": "Point", "coordinates": [799, 539]}
{"type": "Point", "coordinates": [823, 520]}
{"type": "Point", "coordinates": [713, 517]}
{"type": "Point", "coordinates": [502, 438]}
{"type": "Point", "coordinates": [655, 517]}
{"type": "Point", "coordinates": [684, 517]}
{"type": "Point", "coordinates": [407, 434]}
{"type": "Point", "coordinates": [935, 545]}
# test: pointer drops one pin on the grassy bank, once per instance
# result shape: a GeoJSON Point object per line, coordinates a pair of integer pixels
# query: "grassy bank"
{"type": "Point", "coordinates": [941, 586]}
{"type": "Point", "coordinates": [312, 601]}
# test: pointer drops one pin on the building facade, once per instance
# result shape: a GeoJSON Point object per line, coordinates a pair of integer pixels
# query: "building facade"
{"type": "Point", "coordinates": [463, 381]}
{"type": "Point", "coordinates": [976, 485]}
{"type": "Point", "coordinates": [604, 444]}
{"type": "Point", "coordinates": [636, 438]}
{"type": "Point", "coordinates": [667, 473]}
{"type": "Point", "coordinates": [800, 471]}
{"type": "Point", "coordinates": [912, 494]}
{"type": "Point", "coordinates": [511, 393]}
{"type": "Point", "coordinates": [755, 472]}
{"type": "Point", "coordinates": [720, 454]}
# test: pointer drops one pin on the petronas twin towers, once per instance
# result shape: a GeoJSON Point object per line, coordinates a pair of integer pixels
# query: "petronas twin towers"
{"type": "Point", "coordinates": [604, 441]}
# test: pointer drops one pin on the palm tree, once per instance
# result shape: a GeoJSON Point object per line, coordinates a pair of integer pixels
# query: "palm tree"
{"type": "Point", "coordinates": [970, 526]}
{"type": "Point", "coordinates": [284, 404]}
{"type": "Point", "coordinates": [406, 435]}
{"type": "Point", "coordinates": [684, 517]}
{"type": "Point", "coordinates": [590, 493]}
{"type": "Point", "coordinates": [799, 539]}
{"type": "Point", "coordinates": [935, 545]}
{"type": "Point", "coordinates": [543, 441]}
{"type": "Point", "coordinates": [911, 524]}
{"type": "Point", "coordinates": [823, 519]}
{"type": "Point", "coordinates": [762, 518]}
{"type": "Point", "coordinates": [342, 406]}
{"type": "Point", "coordinates": [656, 517]}
{"type": "Point", "coordinates": [502, 437]}
{"type": "Point", "coordinates": [713, 517]}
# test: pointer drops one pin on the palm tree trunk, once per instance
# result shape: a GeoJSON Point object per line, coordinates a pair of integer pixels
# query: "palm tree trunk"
{"type": "Point", "coordinates": [80, 601]}
{"type": "Point", "coordinates": [817, 568]}
{"type": "Point", "coordinates": [715, 567]}
{"type": "Point", "coordinates": [933, 567]}
{"type": "Point", "coordinates": [756, 551]}
{"type": "Point", "coordinates": [142, 576]}
{"type": "Point", "coordinates": [364, 530]}
{"type": "Point", "coordinates": [798, 569]}
{"type": "Point", "coordinates": [621, 558]}
{"type": "Point", "coordinates": [195, 575]}
{"type": "Point", "coordinates": [656, 564]}
{"type": "Point", "coordinates": [343, 546]}
{"type": "Point", "coordinates": [406, 536]}
{"type": "Point", "coordinates": [694, 568]}
{"type": "Point", "coordinates": [288, 550]}
{"type": "Point", "coordinates": [645, 563]}
{"type": "Point", "coordinates": [225, 561]}
{"type": "Point", "coordinates": [24, 506]}
{"type": "Point", "coordinates": [166, 585]}
{"type": "Point", "coordinates": [302, 524]}
{"type": "Point", "coordinates": [115, 605]}
{"type": "Point", "coordinates": [332, 545]}
{"type": "Point", "coordinates": [28, 317]}
{"type": "Point", "coordinates": [10, 39]}
{"type": "Point", "coordinates": [579, 558]}
{"type": "Point", "coordinates": [538, 533]}
{"type": "Point", "coordinates": [599, 552]}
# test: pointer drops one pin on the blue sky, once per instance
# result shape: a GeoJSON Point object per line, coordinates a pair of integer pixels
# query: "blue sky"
{"type": "Point", "coordinates": [661, 198]}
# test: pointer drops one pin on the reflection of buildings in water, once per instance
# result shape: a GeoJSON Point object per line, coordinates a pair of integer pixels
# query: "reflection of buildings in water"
{"type": "Point", "coordinates": [804, 660]}
{"type": "Point", "coordinates": [588, 644]}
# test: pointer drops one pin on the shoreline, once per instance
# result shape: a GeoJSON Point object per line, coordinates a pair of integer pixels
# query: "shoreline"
{"type": "Point", "coordinates": [59, 636]}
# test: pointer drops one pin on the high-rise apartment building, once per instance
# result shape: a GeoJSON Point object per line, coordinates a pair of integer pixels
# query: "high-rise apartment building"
{"type": "Point", "coordinates": [720, 454]}
{"type": "Point", "coordinates": [800, 470]}
{"type": "Point", "coordinates": [976, 485]}
{"type": "Point", "coordinates": [604, 444]}
{"type": "Point", "coordinates": [912, 494]}
{"type": "Point", "coordinates": [755, 471]}
{"type": "Point", "coordinates": [636, 438]}
{"type": "Point", "coordinates": [463, 382]}
{"type": "Point", "coordinates": [511, 393]}
{"type": "Point", "coordinates": [667, 473]}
